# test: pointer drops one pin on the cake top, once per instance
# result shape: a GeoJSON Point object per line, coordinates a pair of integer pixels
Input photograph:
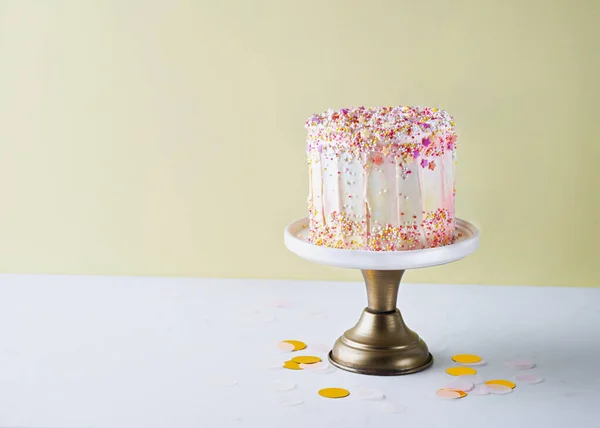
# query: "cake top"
{"type": "Point", "coordinates": [369, 128]}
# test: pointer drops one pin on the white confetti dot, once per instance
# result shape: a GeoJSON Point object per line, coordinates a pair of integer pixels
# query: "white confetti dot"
{"type": "Point", "coordinates": [283, 385]}
{"type": "Point", "coordinates": [368, 394]}
{"type": "Point", "coordinates": [289, 400]}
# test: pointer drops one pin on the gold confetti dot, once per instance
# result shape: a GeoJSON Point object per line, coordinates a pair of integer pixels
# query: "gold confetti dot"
{"type": "Point", "coordinates": [298, 346]}
{"type": "Point", "coordinates": [291, 365]}
{"type": "Point", "coordinates": [334, 392]}
{"type": "Point", "coordinates": [460, 371]}
{"type": "Point", "coordinates": [306, 360]}
{"type": "Point", "coordinates": [466, 358]}
{"type": "Point", "coordinates": [501, 382]}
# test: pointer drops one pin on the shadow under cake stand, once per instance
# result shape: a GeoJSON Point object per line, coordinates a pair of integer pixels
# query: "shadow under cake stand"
{"type": "Point", "coordinates": [381, 343]}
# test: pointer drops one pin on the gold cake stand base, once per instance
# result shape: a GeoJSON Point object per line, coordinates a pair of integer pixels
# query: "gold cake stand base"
{"type": "Point", "coordinates": [380, 343]}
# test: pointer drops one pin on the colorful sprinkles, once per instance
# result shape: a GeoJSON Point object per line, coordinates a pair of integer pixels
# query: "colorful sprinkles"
{"type": "Point", "coordinates": [339, 231]}
{"type": "Point", "coordinates": [402, 141]}
{"type": "Point", "coordinates": [404, 132]}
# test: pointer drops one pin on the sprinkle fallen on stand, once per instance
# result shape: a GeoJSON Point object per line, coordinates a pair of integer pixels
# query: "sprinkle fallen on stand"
{"type": "Point", "coordinates": [369, 394]}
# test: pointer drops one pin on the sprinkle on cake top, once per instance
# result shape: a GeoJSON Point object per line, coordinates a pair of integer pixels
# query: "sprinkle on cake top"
{"type": "Point", "coordinates": [367, 128]}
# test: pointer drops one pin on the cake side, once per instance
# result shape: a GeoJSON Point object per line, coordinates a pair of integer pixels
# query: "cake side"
{"type": "Point", "coordinates": [381, 178]}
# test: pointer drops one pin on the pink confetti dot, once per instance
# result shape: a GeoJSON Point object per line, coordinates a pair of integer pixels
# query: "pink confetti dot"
{"type": "Point", "coordinates": [499, 389]}
{"type": "Point", "coordinates": [285, 346]}
{"type": "Point", "coordinates": [529, 378]}
{"type": "Point", "coordinates": [448, 394]}
{"type": "Point", "coordinates": [520, 364]}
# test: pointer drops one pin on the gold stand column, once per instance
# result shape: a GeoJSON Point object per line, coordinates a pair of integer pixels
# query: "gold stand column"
{"type": "Point", "coordinates": [380, 343]}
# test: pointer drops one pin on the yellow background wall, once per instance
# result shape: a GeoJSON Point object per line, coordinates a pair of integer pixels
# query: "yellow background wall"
{"type": "Point", "coordinates": [166, 137]}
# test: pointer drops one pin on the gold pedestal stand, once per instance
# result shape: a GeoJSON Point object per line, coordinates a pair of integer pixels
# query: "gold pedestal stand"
{"type": "Point", "coordinates": [381, 343]}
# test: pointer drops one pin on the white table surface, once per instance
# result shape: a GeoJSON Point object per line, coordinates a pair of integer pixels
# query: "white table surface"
{"type": "Point", "coordinates": [155, 352]}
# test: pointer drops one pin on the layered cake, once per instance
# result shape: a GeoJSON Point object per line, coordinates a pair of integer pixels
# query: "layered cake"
{"type": "Point", "coordinates": [381, 178]}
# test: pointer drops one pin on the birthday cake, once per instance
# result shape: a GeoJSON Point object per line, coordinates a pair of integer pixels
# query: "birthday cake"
{"type": "Point", "coordinates": [381, 178]}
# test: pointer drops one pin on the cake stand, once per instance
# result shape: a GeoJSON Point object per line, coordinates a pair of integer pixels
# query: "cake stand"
{"type": "Point", "coordinates": [381, 343]}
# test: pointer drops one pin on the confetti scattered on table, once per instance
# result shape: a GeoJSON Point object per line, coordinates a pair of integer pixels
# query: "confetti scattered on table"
{"type": "Point", "coordinates": [504, 382]}
{"type": "Point", "coordinates": [306, 359]}
{"type": "Point", "coordinates": [498, 389]}
{"type": "Point", "coordinates": [467, 382]}
{"type": "Point", "coordinates": [529, 378]}
{"type": "Point", "coordinates": [283, 385]}
{"type": "Point", "coordinates": [334, 392]}
{"type": "Point", "coordinates": [287, 400]}
{"type": "Point", "coordinates": [450, 394]}
{"type": "Point", "coordinates": [369, 394]}
{"type": "Point", "coordinates": [466, 358]}
{"type": "Point", "coordinates": [460, 371]}
{"type": "Point", "coordinates": [298, 345]}
{"type": "Point", "coordinates": [291, 365]}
